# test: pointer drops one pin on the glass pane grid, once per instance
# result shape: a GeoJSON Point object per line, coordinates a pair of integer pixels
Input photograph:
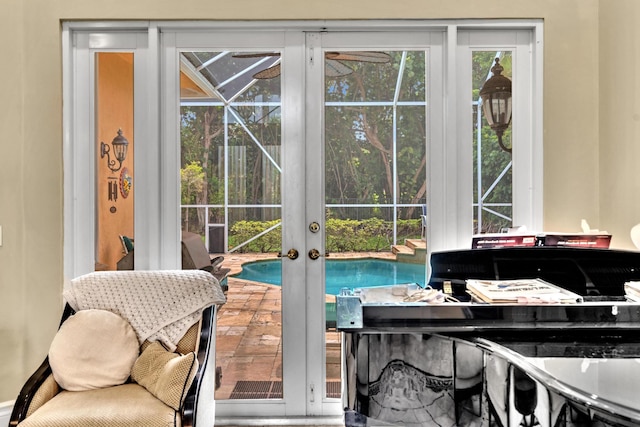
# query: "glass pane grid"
{"type": "Point", "coordinates": [230, 160]}
{"type": "Point", "coordinates": [493, 188]}
{"type": "Point", "coordinates": [375, 167]}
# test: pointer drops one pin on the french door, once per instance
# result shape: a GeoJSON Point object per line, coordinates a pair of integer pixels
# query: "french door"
{"type": "Point", "coordinates": [258, 119]}
{"type": "Point", "coordinates": [374, 104]}
{"type": "Point", "coordinates": [293, 73]}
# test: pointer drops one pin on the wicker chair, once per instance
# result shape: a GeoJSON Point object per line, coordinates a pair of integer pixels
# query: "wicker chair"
{"type": "Point", "coordinates": [43, 402]}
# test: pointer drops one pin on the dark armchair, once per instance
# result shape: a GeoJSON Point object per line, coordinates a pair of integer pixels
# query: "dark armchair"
{"type": "Point", "coordinates": [166, 387]}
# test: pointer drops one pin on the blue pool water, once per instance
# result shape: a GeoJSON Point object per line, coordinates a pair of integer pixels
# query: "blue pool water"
{"type": "Point", "coordinates": [353, 273]}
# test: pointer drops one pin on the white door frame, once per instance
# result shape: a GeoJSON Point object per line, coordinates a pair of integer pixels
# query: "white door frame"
{"type": "Point", "coordinates": [317, 44]}
{"type": "Point", "coordinates": [293, 294]}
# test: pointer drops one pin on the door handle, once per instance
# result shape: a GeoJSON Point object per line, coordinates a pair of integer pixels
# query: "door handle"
{"type": "Point", "coordinates": [315, 254]}
{"type": "Point", "coordinates": [291, 254]}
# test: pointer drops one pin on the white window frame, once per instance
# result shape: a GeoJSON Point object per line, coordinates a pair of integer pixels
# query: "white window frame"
{"type": "Point", "coordinates": [157, 215]}
{"type": "Point", "coordinates": [79, 45]}
{"type": "Point", "coordinates": [526, 118]}
{"type": "Point", "coordinates": [449, 193]}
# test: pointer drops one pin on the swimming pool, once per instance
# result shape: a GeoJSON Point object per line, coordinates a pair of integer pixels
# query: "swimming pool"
{"type": "Point", "coordinates": [351, 273]}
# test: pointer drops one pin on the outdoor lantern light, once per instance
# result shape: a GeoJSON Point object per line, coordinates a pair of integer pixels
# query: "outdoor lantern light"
{"type": "Point", "coordinates": [119, 145]}
{"type": "Point", "coordinates": [496, 102]}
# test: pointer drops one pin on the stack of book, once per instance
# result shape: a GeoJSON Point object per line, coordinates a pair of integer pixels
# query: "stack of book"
{"type": "Point", "coordinates": [632, 291]}
{"type": "Point", "coordinates": [502, 240]}
{"type": "Point", "coordinates": [520, 291]}
{"type": "Point", "coordinates": [509, 240]}
{"type": "Point", "coordinates": [575, 240]}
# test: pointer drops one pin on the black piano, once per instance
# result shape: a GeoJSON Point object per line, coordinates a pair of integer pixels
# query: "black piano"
{"type": "Point", "coordinates": [505, 365]}
{"type": "Point", "coordinates": [594, 273]}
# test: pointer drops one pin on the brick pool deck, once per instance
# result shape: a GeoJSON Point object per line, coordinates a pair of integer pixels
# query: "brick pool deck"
{"type": "Point", "coordinates": [249, 333]}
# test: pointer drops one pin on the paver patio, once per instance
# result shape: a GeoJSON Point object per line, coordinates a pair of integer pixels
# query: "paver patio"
{"type": "Point", "coordinates": [249, 331]}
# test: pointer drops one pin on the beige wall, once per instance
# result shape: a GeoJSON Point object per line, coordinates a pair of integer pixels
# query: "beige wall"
{"type": "Point", "coordinates": [591, 127]}
{"type": "Point", "coordinates": [619, 110]}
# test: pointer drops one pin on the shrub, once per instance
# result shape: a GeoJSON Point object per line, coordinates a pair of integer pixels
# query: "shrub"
{"type": "Point", "coordinates": [242, 231]}
{"type": "Point", "coordinates": [343, 235]}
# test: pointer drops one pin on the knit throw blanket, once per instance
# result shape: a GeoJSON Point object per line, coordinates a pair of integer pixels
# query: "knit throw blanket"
{"type": "Point", "coordinates": [160, 305]}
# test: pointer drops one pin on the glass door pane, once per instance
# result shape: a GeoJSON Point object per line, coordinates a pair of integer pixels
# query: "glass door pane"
{"type": "Point", "coordinates": [375, 135]}
{"type": "Point", "coordinates": [492, 165]}
{"type": "Point", "coordinates": [231, 198]}
{"type": "Point", "coordinates": [114, 160]}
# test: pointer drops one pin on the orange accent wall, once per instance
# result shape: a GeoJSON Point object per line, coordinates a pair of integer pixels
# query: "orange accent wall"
{"type": "Point", "coordinates": [114, 110]}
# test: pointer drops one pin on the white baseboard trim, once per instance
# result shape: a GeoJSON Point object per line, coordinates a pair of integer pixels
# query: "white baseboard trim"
{"type": "Point", "coordinates": [5, 413]}
{"type": "Point", "coordinates": [7, 407]}
{"type": "Point", "coordinates": [288, 421]}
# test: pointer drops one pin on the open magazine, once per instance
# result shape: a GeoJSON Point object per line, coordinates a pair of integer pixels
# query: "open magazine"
{"type": "Point", "coordinates": [520, 291]}
{"type": "Point", "coordinates": [632, 291]}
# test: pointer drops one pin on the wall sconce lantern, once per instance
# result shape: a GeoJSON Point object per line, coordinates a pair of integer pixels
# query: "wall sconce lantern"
{"type": "Point", "coordinates": [496, 102]}
{"type": "Point", "coordinates": [119, 145]}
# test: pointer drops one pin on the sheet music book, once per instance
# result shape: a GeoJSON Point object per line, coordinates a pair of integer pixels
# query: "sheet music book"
{"type": "Point", "coordinates": [522, 291]}
{"type": "Point", "coordinates": [632, 291]}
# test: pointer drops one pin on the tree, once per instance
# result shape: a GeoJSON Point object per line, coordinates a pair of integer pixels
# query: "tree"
{"type": "Point", "coordinates": [201, 127]}
{"type": "Point", "coordinates": [359, 142]}
{"type": "Point", "coordinates": [192, 180]}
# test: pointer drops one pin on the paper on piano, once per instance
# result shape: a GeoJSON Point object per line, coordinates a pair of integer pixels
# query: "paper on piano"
{"type": "Point", "coordinates": [522, 291]}
{"type": "Point", "coordinates": [632, 291]}
{"type": "Point", "coordinates": [396, 294]}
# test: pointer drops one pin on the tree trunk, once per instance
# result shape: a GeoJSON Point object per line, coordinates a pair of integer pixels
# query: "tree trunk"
{"type": "Point", "coordinates": [210, 117]}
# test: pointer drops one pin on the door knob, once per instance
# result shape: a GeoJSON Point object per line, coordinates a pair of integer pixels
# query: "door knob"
{"type": "Point", "coordinates": [315, 254]}
{"type": "Point", "coordinates": [292, 254]}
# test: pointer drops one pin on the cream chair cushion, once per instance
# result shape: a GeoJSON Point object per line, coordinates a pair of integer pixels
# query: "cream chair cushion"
{"type": "Point", "coordinates": [164, 374]}
{"type": "Point", "coordinates": [132, 404]}
{"type": "Point", "coordinates": [93, 349]}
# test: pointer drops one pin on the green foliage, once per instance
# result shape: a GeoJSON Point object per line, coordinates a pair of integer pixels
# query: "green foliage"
{"type": "Point", "coordinates": [343, 235]}
{"type": "Point", "coordinates": [408, 229]}
{"type": "Point", "coordinates": [203, 140]}
{"type": "Point", "coordinates": [359, 147]}
{"type": "Point", "coordinates": [359, 151]}
{"type": "Point", "coordinates": [192, 182]}
{"type": "Point", "coordinates": [241, 231]}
